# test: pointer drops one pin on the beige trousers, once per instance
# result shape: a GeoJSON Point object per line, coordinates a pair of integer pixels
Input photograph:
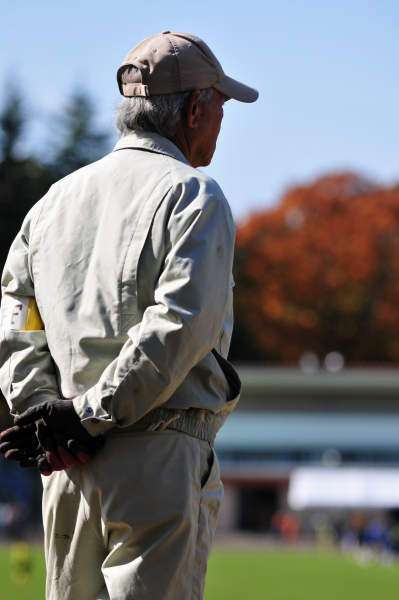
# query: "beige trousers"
{"type": "Point", "coordinates": [136, 522]}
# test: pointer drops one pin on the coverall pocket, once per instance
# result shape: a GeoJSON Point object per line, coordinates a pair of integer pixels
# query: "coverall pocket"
{"type": "Point", "coordinates": [208, 460]}
{"type": "Point", "coordinates": [230, 374]}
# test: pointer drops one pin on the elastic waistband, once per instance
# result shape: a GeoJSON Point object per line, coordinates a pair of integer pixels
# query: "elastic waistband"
{"type": "Point", "coordinates": [201, 424]}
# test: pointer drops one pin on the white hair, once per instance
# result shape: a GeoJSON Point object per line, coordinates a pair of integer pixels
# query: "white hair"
{"type": "Point", "coordinates": [159, 113]}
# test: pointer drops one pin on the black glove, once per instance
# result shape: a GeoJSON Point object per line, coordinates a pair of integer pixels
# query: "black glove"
{"type": "Point", "coordinates": [61, 452]}
{"type": "Point", "coordinates": [21, 444]}
{"type": "Point", "coordinates": [60, 416]}
{"type": "Point", "coordinates": [54, 454]}
{"type": "Point", "coordinates": [49, 436]}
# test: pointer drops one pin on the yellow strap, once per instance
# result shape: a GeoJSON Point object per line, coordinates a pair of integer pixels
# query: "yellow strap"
{"type": "Point", "coordinates": [33, 319]}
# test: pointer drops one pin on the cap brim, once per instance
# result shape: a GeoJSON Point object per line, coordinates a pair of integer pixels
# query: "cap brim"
{"type": "Point", "coordinates": [236, 90]}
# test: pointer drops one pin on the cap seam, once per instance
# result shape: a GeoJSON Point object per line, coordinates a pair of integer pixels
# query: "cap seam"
{"type": "Point", "coordinates": [176, 51]}
{"type": "Point", "coordinates": [198, 46]}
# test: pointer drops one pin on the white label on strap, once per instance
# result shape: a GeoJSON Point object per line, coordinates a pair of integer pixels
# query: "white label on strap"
{"type": "Point", "coordinates": [13, 312]}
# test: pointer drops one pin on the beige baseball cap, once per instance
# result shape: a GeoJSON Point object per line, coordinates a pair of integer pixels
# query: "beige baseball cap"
{"type": "Point", "coordinates": [172, 62]}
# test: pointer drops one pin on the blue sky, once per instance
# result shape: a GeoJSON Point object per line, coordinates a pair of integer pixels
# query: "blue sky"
{"type": "Point", "coordinates": [327, 73]}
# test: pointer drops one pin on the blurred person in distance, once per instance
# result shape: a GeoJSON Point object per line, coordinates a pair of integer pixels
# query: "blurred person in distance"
{"type": "Point", "coordinates": [117, 294]}
{"type": "Point", "coordinates": [287, 524]}
{"type": "Point", "coordinates": [373, 533]}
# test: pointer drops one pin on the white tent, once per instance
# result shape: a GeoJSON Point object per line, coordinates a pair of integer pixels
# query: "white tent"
{"type": "Point", "coordinates": [343, 487]}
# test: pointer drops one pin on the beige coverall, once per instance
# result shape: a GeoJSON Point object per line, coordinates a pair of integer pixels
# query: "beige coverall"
{"type": "Point", "coordinates": [130, 261]}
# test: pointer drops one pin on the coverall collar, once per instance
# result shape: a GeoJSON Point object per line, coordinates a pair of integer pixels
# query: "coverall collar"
{"type": "Point", "coordinates": [152, 142]}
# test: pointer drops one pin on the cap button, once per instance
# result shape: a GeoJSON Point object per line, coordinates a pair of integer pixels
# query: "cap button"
{"type": "Point", "coordinates": [166, 31]}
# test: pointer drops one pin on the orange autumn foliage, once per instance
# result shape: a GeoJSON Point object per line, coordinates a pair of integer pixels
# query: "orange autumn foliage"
{"type": "Point", "coordinates": [321, 272]}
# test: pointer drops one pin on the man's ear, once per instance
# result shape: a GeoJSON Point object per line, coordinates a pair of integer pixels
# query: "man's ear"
{"type": "Point", "coordinates": [192, 110]}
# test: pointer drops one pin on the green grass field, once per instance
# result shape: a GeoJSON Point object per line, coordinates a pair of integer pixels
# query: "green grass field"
{"type": "Point", "coordinates": [296, 576]}
{"type": "Point", "coordinates": [234, 575]}
{"type": "Point", "coordinates": [33, 588]}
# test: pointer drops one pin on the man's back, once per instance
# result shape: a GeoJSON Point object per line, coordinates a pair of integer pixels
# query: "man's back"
{"type": "Point", "coordinates": [101, 244]}
{"type": "Point", "coordinates": [81, 247]}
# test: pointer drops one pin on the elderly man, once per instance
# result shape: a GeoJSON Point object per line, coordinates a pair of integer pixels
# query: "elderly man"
{"type": "Point", "coordinates": [117, 295]}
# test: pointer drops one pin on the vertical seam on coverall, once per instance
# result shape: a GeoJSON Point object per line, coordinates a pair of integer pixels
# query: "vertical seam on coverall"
{"type": "Point", "coordinates": [124, 262]}
{"type": "Point", "coordinates": [198, 520]}
{"type": "Point", "coordinates": [120, 283]}
{"type": "Point", "coordinates": [85, 505]}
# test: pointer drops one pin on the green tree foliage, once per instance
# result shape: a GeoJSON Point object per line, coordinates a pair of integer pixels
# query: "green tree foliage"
{"type": "Point", "coordinates": [78, 142]}
{"type": "Point", "coordinates": [22, 180]}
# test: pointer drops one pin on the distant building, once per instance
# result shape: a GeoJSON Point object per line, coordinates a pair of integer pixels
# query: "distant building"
{"type": "Point", "coordinates": [310, 441]}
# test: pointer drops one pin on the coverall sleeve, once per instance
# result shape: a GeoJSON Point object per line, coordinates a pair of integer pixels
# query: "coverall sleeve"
{"type": "Point", "coordinates": [185, 321]}
{"type": "Point", "coordinates": [27, 373]}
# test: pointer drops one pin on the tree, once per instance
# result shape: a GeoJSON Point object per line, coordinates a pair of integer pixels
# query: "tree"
{"type": "Point", "coordinates": [321, 273]}
{"type": "Point", "coordinates": [23, 180]}
{"type": "Point", "coordinates": [78, 142]}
